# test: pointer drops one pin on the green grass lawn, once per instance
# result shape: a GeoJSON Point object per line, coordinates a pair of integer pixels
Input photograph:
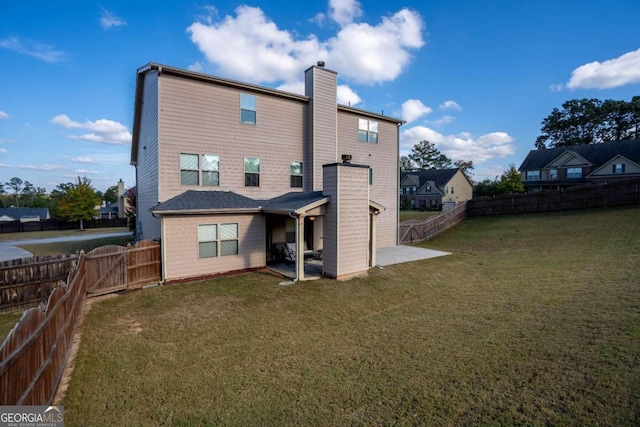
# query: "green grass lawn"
{"type": "Point", "coordinates": [417, 215]}
{"type": "Point", "coordinates": [533, 320]}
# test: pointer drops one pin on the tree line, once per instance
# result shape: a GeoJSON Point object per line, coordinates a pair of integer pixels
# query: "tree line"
{"type": "Point", "coordinates": [73, 201]}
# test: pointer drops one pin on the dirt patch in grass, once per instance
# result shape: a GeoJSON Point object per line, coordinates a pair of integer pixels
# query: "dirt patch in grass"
{"type": "Point", "coordinates": [532, 321]}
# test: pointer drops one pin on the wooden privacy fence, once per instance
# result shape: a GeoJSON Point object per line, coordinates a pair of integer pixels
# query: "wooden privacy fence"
{"type": "Point", "coordinates": [581, 197]}
{"type": "Point", "coordinates": [34, 354]}
{"type": "Point", "coordinates": [415, 231]}
{"type": "Point", "coordinates": [25, 282]}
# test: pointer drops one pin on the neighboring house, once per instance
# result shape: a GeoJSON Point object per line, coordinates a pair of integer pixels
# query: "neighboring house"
{"type": "Point", "coordinates": [558, 168]}
{"type": "Point", "coordinates": [24, 214]}
{"type": "Point", "coordinates": [228, 172]}
{"type": "Point", "coordinates": [116, 209]}
{"type": "Point", "coordinates": [435, 189]}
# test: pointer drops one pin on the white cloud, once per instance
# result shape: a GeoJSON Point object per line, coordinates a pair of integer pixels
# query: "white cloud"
{"type": "Point", "coordinates": [3, 115]}
{"type": "Point", "coordinates": [109, 20]}
{"type": "Point", "coordinates": [252, 48]}
{"type": "Point", "coordinates": [463, 146]}
{"type": "Point", "coordinates": [4, 150]}
{"type": "Point", "coordinates": [344, 11]}
{"type": "Point", "coordinates": [80, 159]}
{"type": "Point", "coordinates": [43, 167]}
{"type": "Point", "coordinates": [612, 73]}
{"type": "Point", "coordinates": [85, 171]}
{"type": "Point", "coordinates": [293, 87]}
{"type": "Point", "coordinates": [347, 96]}
{"type": "Point", "coordinates": [4, 165]}
{"type": "Point", "coordinates": [450, 105]}
{"type": "Point", "coordinates": [33, 48]}
{"type": "Point", "coordinates": [102, 131]}
{"type": "Point", "coordinates": [444, 120]}
{"type": "Point", "coordinates": [413, 109]}
{"type": "Point", "coordinates": [556, 87]}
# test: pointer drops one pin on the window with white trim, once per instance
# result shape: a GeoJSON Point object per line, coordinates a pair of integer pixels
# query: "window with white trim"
{"type": "Point", "coordinates": [574, 172]}
{"type": "Point", "coordinates": [210, 170]}
{"type": "Point", "coordinates": [618, 168]}
{"type": "Point", "coordinates": [251, 172]}
{"type": "Point", "coordinates": [228, 239]}
{"type": "Point", "coordinates": [247, 109]}
{"type": "Point", "coordinates": [367, 131]}
{"type": "Point", "coordinates": [533, 175]}
{"type": "Point", "coordinates": [296, 174]}
{"type": "Point", "coordinates": [189, 169]}
{"type": "Point", "coordinates": [207, 240]}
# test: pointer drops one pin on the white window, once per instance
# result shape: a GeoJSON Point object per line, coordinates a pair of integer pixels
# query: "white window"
{"type": "Point", "coordinates": [618, 168]}
{"type": "Point", "coordinates": [207, 241]}
{"type": "Point", "coordinates": [367, 131]}
{"type": "Point", "coordinates": [533, 175]}
{"type": "Point", "coordinates": [251, 172]}
{"type": "Point", "coordinates": [189, 169]}
{"type": "Point", "coordinates": [296, 174]}
{"type": "Point", "coordinates": [574, 172]}
{"type": "Point", "coordinates": [228, 239]}
{"type": "Point", "coordinates": [247, 109]}
{"type": "Point", "coordinates": [210, 170]}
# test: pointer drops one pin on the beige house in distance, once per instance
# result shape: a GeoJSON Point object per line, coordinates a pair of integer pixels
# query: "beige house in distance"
{"type": "Point", "coordinates": [435, 189]}
{"type": "Point", "coordinates": [228, 173]}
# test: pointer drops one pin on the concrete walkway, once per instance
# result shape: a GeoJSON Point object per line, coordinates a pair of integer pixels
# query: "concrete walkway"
{"type": "Point", "coordinates": [400, 254]}
{"type": "Point", "coordinates": [7, 253]}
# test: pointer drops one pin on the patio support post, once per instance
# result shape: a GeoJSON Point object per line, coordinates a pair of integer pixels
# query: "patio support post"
{"type": "Point", "coordinates": [300, 248]}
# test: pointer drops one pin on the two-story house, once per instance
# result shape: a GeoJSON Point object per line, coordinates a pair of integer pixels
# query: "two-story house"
{"type": "Point", "coordinates": [227, 171]}
{"type": "Point", "coordinates": [435, 189]}
{"type": "Point", "coordinates": [562, 167]}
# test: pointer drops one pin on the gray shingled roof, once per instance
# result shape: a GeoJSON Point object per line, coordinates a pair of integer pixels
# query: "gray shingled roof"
{"type": "Point", "coordinates": [193, 200]}
{"type": "Point", "coordinates": [439, 176]}
{"type": "Point", "coordinates": [17, 213]}
{"type": "Point", "coordinates": [293, 201]}
{"type": "Point", "coordinates": [597, 154]}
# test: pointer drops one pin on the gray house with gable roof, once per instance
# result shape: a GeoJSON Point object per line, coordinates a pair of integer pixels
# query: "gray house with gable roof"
{"type": "Point", "coordinates": [563, 167]}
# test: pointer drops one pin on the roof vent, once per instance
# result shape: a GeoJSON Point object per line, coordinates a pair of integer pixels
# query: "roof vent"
{"type": "Point", "coordinates": [346, 159]}
{"type": "Point", "coordinates": [321, 64]}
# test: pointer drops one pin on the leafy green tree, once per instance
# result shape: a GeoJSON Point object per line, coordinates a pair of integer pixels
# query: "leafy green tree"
{"type": "Point", "coordinates": [406, 164]}
{"type": "Point", "coordinates": [425, 155]}
{"type": "Point", "coordinates": [590, 121]}
{"type": "Point", "coordinates": [511, 181]}
{"type": "Point", "coordinates": [466, 167]}
{"type": "Point", "coordinates": [80, 201]}
{"type": "Point", "coordinates": [56, 197]}
{"type": "Point", "coordinates": [15, 184]}
{"type": "Point", "coordinates": [111, 194]}
{"type": "Point", "coordinates": [34, 197]}
{"type": "Point", "coordinates": [486, 187]}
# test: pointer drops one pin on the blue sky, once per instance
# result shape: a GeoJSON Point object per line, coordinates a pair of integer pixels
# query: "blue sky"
{"type": "Point", "coordinates": [474, 77]}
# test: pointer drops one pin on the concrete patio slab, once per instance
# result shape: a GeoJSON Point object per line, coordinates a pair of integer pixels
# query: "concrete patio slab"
{"type": "Point", "coordinates": [400, 254]}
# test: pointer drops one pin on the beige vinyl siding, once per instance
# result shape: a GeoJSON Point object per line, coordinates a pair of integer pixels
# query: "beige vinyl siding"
{"type": "Point", "coordinates": [323, 108]}
{"type": "Point", "coordinates": [202, 118]}
{"type": "Point", "coordinates": [330, 236]}
{"type": "Point", "coordinates": [383, 159]}
{"type": "Point", "coordinates": [180, 245]}
{"type": "Point", "coordinates": [462, 190]}
{"type": "Point", "coordinates": [353, 220]}
{"type": "Point", "coordinates": [630, 168]}
{"type": "Point", "coordinates": [147, 167]}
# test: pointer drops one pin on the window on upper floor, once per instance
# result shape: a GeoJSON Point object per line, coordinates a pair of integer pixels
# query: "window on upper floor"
{"type": "Point", "coordinates": [247, 109]}
{"type": "Point", "coordinates": [207, 241]}
{"type": "Point", "coordinates": [451, 190]}
{"type": "Point", "coordinates": [251, 172]}
{"type": "Point", "coordinates": [533, 175]}
{"type": "Point", "coordinates": [553, 174]}
{"type": "Point", "coordinates": [618, 168]}
{"type": "Point", "coordinates": [296, 174]}
{"type": "Point", "coordinates": [367, 131]}
{"type": "Point", "coordinates": [189, 169]}
{"type": "Point", "coordinates": [210, 170]}
{"type": "Point", "coordinates": [574, 173]}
